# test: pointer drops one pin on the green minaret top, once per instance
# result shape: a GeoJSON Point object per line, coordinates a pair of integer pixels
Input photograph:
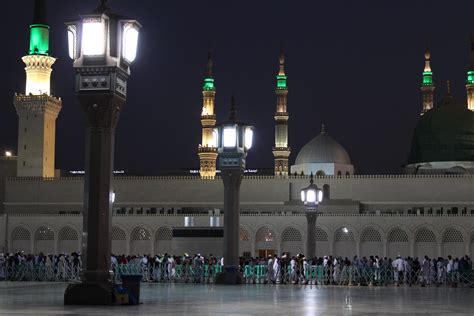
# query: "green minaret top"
{"type": "Point", "coordinates": [209, 79]}
{"type": "Point", "coordinates": [281, 77]}
{"type": "Point", "coordinates": [470, 72]}
{"type": "Point", "coordinates": [39, 30]}
{"type": "Point", "coordinates": [427, 73]}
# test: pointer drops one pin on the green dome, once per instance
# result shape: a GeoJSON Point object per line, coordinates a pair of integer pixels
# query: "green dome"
{"type": "Point", "coordinates": [444, 133]}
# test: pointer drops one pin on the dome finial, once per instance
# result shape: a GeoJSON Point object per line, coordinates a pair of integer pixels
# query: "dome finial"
{"type": "Point", "coordinates": [323, 130]}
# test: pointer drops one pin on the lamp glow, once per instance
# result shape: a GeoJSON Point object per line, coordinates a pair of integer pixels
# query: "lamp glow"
{"type": "Point", "coordinates": [71, 36]}
{"type": "Point", "coordinates": [93, 37]}
{"type": "Point", "coordinates": [345, 230]}
{"type": "Point", "coordinates": [320, 196]}
{"type": "Point", "coordinates": [230, 137]}
{"type": "Point", "coordinates": [311, 196]}
{"type": "Point", "coordinates": [248, 138]}
{"type": "Point", "coordinates": [8, 154]}
{"type": "Point", "coordinates": [130, 42]}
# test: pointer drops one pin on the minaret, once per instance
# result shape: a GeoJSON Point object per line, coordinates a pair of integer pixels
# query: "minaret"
{"type": "Point", "coordinates": [470, 78]}
{"type": "Point", "coordinates": [37, 110]}
{"type": "Point", "coordinates": [281, 151]}
{"type": "Point", "coordinates": [427, 87]}
{"type": "Point", "coordinates": [207, 150]}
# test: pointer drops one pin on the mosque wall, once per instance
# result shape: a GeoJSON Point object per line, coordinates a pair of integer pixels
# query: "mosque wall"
{"type": "Point", "coordinates": [257, 193]}
{"type": "Point", "coordinates": [341, 235]}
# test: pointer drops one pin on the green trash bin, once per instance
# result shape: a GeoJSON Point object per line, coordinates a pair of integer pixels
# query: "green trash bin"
{"type": "Point", "coordinates": [131, 282]}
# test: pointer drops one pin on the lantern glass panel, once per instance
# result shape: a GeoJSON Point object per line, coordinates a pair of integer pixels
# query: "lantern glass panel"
{"type": "Point", "coordinates": [302, 196]}
{"type": "Point", "coordinates": [248, 138]}
{"type": "Point", "coordinates": [71, 36]}
{"type": "Point", "coordinates": [230, 137]}
{"type": "Point", "coordinates": [311, 196]}
{"type": "Point", "coordinates": [93, 37]}
{"type": "Point", "coordinates": [130, 42]}
{"type": "Point", "coordinates": [320, 196]}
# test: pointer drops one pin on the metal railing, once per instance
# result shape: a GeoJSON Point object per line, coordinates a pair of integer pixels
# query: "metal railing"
{"type": "Point", "coordinates": [252, 274]}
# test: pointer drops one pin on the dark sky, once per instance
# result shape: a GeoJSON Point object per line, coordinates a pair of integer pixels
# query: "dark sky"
{"type": "Point", "coordinates": [353, 65]}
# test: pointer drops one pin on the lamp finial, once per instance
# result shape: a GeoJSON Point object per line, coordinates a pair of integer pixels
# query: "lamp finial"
{"type": "Point", "coordinates": [311, 178]}
{"type": "Point", "coordinates": [232, 112]}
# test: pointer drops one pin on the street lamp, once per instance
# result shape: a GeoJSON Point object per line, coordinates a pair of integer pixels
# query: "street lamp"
{"type": "Point", "coordinates": [311, 196]}
{"type": "Point", "coordinates": [103, 46]}
{"type": "Point", "coordinates": [234, 139]}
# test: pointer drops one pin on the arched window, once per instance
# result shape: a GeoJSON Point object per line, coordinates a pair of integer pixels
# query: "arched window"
{"type": "Point", "coordinates": [339, 173]}
{"type": "Point", "coordinates": [164, 233]}
{"type": "Point", "coordinates": [291, 234]}
{"type": "Point", "coordinates": [321, 234]}
{"type": "Point", "coordinates": [244, 234]}
{"type": "Point", "coordinates": [452, 235]}
{"type": "Point", "coordinates": [425, 235]}
{"type": "Point", "coordinates": [67, 233]}
{"type": "Point", "coordinates": [370, 235]}
{"type": "Point", "coordinates": [326, 192]}
{"type": "Point", "coordinates": [397, 235]}
{"type": "Point", "coordinates": [44, 233]}
{"type": "Point", "coordinates": [118, 234]}
{"type": "Point", "coordinates": [141, 233]}
{"type": "Point", "coordinates": [265, 234]}
{"type": "Point", "coordinates": [320, 173]}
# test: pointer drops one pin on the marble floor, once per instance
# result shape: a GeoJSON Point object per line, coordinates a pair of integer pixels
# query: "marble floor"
{"type": "Point", "coordinates": [182, 299]}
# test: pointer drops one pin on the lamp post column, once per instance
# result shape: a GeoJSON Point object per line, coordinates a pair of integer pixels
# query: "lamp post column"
{"type": "Point", "coordinates": [102, 112]}
{"type": "Point", "coordinates": [232, 179]}
{"type": "Point", "coordinates": [311, 216]}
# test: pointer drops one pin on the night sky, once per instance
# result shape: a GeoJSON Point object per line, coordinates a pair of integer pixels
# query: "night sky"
{"type": "Point", "coordinates": [353, 65]}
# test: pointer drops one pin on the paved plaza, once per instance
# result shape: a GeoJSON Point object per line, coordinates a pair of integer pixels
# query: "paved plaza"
{"type": "Point", "coordinates": [180, 299]}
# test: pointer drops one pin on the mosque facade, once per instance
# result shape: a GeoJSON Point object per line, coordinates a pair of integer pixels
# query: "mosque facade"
{"type": "Point", "coordinates": [427, 210]}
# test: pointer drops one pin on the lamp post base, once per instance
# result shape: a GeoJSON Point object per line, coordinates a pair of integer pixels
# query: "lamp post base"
{"type": "Point", "coordinates": [89, 293]}
{"type": "Point", "coordinates": [230, 275]}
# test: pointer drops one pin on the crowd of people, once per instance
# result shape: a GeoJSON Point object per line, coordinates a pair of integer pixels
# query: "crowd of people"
{"type": "Point", "coordinates": [285, 269]}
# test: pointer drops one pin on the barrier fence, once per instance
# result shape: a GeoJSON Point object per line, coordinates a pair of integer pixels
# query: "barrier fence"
{"type": "Point", "coordinates": [252, 274]}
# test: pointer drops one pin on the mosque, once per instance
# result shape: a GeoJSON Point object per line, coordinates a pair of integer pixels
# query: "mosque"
{"type": "Point", "coordinates": [427, 210]}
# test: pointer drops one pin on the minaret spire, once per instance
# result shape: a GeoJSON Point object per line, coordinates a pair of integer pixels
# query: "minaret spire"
{"type": "Point", "coordinates": [39, 30]}
{"type": "Point", "coordinates": [207, 150]}
{"type": "Point", "coordinates": [281, 151]}
{"type": "Point", "coordinates": [39, 16]}
{"type": "Point", "coordinates": [209, 64]}
{"type": "Point", "coordinates": [470, 78]}
{"type": "Point", "coordinates": [427, 86]}
{"type": "Point", "coordinates": [37, 137]}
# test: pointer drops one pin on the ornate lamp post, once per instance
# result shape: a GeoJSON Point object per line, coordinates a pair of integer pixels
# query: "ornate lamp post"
{"type": "Point", "coordinates": [103, 45]}
{"type": "Point", "coordinates": [234, 139]}
{"type": "Point", "coordinates": [311, 196]}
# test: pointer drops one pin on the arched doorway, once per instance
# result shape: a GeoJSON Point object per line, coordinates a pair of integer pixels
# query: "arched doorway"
{"type": "Point", "coordinates": [44, 240]}
{"type": "Point", "coordinates": [291, 241]}
{"type": "Point", "coordinates": [265, 242]}
{"type": "Point", "coordinates": [425, 243]}
{"type": "Point", "coordinates": [140, 241]}
{"type": "Point", "coordinates": [68, 240]}
{"type": "Point", "coordinates": [397, 243]}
